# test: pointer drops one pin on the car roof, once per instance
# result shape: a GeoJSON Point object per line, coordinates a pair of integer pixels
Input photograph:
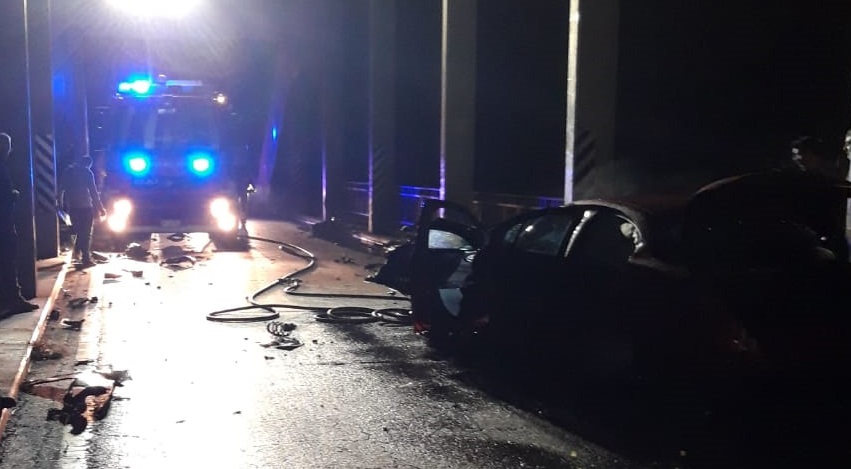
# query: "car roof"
{"type": "Point", "coordinates": [658, 218]}
{"type": "Point", "coordinates": [646, 206]}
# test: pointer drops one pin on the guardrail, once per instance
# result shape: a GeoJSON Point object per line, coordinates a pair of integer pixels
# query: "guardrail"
{"type": "Point", "coordinates": [489, 207]}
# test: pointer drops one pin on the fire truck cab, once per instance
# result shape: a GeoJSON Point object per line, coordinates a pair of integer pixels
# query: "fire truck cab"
{"type": "Point", "coordinates": [170, 167]}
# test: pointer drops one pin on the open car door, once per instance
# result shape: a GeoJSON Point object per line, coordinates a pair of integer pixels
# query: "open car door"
{"type": "Point", "coordinates": [434, 266]}
{"type": "Point", "coordinates": [448, 238]}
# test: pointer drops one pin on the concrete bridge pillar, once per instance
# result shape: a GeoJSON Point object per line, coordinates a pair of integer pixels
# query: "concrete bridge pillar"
{"type": "Point", "coordinates": [458, 100]}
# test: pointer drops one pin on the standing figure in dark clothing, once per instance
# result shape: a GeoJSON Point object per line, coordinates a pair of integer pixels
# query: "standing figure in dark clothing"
{"type": "Point", "coordinates": [812, 157]}
{"type": "Point", "coordinates": [11, 301]}
{"type": "Point", "coordinates": [80, 197]}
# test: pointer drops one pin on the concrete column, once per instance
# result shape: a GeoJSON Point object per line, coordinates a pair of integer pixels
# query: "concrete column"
{"type": "Point", "coordinates": [262, 177]}
{"type": "Point", "coordinates": [16, 122]}
{"type": "Point", "coordinates": [333, 180]}
{"type": "Point", "coordinates": [570, 122]}
{"type": "Point", "coordinates": [592, 93]}
{"type": "Point", "coordinates": [41, 132]}
{"type": "Point", "coordinates": [383, 187]}
{"type": "Point", "coordinates": [70, 113]}
{"type": "Point", "coordinates": [458, 101]}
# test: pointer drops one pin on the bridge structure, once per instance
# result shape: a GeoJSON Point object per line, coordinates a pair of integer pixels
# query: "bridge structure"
{"type": "Point", "coordinates": [370, 106]}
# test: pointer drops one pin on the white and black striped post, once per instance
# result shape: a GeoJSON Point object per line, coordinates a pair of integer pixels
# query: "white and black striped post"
{"type": "Point", "coordinates": [585, 163]}
{"type": "Point", "coordinates": [44, 186]}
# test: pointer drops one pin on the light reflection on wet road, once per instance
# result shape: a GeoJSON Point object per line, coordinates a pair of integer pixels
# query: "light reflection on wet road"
{"type": "Point", "coordinates": [206, 394]}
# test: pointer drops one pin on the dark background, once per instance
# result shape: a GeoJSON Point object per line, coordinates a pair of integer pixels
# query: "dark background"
{"type": "Point", "coordinates": [704, 89]}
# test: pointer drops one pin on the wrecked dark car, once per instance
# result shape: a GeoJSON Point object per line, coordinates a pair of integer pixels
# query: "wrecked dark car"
{"type": "Point", "coordinates": [749, 273]}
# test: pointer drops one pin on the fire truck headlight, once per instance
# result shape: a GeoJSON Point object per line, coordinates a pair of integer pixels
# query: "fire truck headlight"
{"type": "Point", "coordinates": [116, 224]}
{"type": "Point", "coordinates": [117, 220]}
{"type": "Point", "coordinates": [200, 163]}
{"type": "Point", "coordinates": [220, 207]}
{"type": "Point", "coordinates": [122, 207]}
{"type": "Point", "coordinates": [227, 222]}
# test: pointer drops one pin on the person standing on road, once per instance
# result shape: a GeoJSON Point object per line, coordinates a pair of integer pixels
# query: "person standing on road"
{"type": "Point", "coordinates": [80, 198]}
{"type": "Point", "coordinates": [812, 157]}
{"type": "Point", "coordinates": [11, 301]}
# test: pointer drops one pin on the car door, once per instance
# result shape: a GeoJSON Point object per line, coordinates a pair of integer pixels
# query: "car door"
{"type": "Point", "coordinates": [598, 267]}
{"type": "Point", "coordinates": [591, 329]}
{"type": "Point", "coordinates": [518, 277]}
{"type": "Point", "coordinates": [448, 237]}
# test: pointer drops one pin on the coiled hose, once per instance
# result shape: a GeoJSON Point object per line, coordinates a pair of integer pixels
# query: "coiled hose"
{"type": "Point", "coordinates": [347, 314]}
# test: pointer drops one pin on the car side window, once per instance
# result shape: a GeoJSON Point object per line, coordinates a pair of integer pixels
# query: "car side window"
{"type": "Point", "coordinates": [440, 239]}
{"type": "Point", "coordinates": [545, 234]}
{"type": "Point", "coordinates": [512, 233]}
{"type": "Point", "coordinates": [606, 240]}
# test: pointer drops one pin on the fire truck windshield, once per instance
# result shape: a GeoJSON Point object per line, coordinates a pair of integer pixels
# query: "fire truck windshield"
{"type": "Point", "coordinates": [155, 124]}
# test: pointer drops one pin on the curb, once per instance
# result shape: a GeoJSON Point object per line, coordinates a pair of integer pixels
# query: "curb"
{"type": "Point", "coordinates": [24, 366]}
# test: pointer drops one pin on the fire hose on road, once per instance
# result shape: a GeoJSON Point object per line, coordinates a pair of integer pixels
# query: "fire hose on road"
{"type": "Point", "coordinates": [345, 314]}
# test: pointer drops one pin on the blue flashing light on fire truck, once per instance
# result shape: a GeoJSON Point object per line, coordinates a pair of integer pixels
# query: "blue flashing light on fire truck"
{"type": "Point", "coordinates": [171, 163]}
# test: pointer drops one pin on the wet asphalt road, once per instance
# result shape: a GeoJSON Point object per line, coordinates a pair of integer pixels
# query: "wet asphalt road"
{"type": "Point", "coordinates": [212, 394]}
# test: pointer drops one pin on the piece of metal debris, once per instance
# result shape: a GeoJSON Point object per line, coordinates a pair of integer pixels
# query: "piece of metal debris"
{"type": "Point", "coordinates": [136, 251]}
{"type": "Point", "coordinates": [74, 325]}
{"type": "Point", "coordinates": [77, 302]}
{"type": "Point", "coordinates": [117, 376]}
{"type": "Point", "coordinates": [179, 260]}
{"type": "Point", "coordinates": [42, 353]}
{"type": "Point", "coordinates": [290, 343]}
{"type": "Point", "coordinates": [82, 405]}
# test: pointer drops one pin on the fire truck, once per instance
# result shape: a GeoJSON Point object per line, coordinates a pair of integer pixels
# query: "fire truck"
{"type": "Point", "coordinates": [172, 164]}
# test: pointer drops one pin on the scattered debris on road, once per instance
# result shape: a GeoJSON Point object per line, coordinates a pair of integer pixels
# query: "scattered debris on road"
{"type": "Point", "coordinates": [72, 324]}
{"type": "Point", "coordinates": [283, 338]}
{"type": "Point", "coordinates": [41, 353]}
{"type": "Point", "coordinates": [137, 252]}
{"type": "Point", "coordinates": [81, 406]}
{"type": "Point", "coordinates": [79, 302]}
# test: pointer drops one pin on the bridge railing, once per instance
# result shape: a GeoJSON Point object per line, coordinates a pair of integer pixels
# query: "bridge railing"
{"type": "Point", "coordinates": [489, 207]}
